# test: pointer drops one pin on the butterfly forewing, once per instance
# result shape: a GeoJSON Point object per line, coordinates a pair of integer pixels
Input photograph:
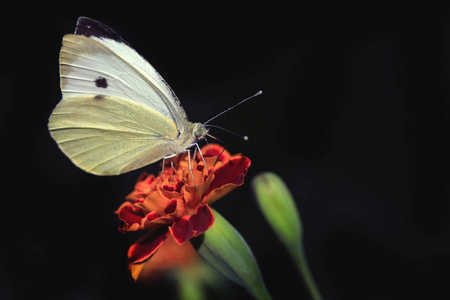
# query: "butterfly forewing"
{"type": "Point", "coordinates": [87, 67]}
{"type": "Point", "coordinates": [95, 49]}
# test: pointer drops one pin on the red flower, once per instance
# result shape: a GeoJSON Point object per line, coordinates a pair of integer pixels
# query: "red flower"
{"type": "Point", "coordinates": [178, 206]}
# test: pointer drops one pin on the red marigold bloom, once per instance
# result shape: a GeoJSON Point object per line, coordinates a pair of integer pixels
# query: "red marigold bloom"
{"type": "Point", "coordinates": [176, 203]}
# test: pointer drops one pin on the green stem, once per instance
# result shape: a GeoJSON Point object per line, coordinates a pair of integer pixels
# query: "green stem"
{"type": "Point", "coordinates": [260, 292]}
{"type": "Point", "coordinates": [299, 256]}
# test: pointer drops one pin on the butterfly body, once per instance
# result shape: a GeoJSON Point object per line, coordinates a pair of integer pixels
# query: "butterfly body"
{"type": "Point", "coordinates": [117, 113]}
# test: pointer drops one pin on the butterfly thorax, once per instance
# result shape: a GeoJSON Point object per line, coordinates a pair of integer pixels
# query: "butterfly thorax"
{"type": "Point", "coordinates": [192, 133]}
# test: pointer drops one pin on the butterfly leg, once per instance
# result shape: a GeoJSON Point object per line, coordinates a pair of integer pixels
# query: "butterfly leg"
{"type": "Point", "coordinates": [201, 155]}
{"type": "Point", "coordinates": [189, 162]}
{"type": "Point", "coordinates": [190, 167]}
{"type": "Point", "coordinates": [162, 169]}
{"type": "Point", "coordinates": [171, 174]}
{"type": "Point", "coordinates": [195, 153]}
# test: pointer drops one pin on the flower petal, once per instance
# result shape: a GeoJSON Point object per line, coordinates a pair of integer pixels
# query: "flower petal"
{"type": "Point", "coordinates": [182, 230]}
{"type": "Point", "coordinates": [144, 185]}
{"type": "Point", "coordinates": [202, 220]}
{"type": "Point", "coordinates": [193, 194]}
{"type": "Point", "coordinates": [131, 216]}
{"type": "Point", "coordinates": [157, 201]}
{"type": "Point", "coordinates": [227, 177]}
{"type": "Point", "coordinates": [153, 221]}
{"type": "Point", "coordinates": [190, 226]}
{"type": "Point", "coordinates": [174, 210]}
{"type": "Point", "coordinates": [169, 256]}
{"type": "Point", "coordinates": [146, 246]}
{"type": "Point", "coordinates": [176, 187]}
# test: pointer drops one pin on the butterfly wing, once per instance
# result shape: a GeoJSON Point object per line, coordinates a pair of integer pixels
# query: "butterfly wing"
{"type": "Point", "coordinates": [117, 113]}
{"type": "Point", "coordinates": [97, 61]}
{"type": "Point", "coordinates": [106, 135]}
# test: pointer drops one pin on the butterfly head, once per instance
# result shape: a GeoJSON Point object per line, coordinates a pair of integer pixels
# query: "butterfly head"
{"type": "Point", "coordinates": [199, 131]}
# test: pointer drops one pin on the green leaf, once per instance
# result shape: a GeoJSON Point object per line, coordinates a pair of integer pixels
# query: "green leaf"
{"type": "Point", "coordinates": [226, 250]}
{"type": "Point", "coordinates": [278, 207]}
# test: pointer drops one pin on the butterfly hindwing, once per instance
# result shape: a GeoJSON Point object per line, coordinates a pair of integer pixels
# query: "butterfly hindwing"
{"type": "Point", "coordinates": [105, 135]}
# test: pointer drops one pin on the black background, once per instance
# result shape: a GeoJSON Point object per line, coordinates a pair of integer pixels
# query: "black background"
{"type": "Point", "coordinates": [353, 118]}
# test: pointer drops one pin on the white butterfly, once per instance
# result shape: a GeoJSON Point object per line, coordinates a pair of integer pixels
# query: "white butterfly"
{"type": "Point", "coordinates": [117, 113]}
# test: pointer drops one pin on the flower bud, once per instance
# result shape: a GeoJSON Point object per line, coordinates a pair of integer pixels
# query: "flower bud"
{"type": "Point", "coordinates": [278, 207]}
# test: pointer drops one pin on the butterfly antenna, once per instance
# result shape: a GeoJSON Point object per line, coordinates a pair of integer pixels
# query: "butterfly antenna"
{"type": "Point", "coordinates": [244, 137]}
{"type": "Point", "coordinates": [230, 108]}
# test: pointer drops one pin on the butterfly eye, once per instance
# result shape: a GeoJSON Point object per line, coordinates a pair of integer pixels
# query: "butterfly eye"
{"type": "Point", "coordinates": [199, 132]}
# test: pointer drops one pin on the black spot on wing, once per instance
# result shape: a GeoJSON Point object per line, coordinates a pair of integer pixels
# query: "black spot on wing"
{"type": "Point", "coordinates": [90, 27]}
{"type": "Point", "coordinates": [101, 82]}
{"type": "Point", "coordinates": [99, 97]}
